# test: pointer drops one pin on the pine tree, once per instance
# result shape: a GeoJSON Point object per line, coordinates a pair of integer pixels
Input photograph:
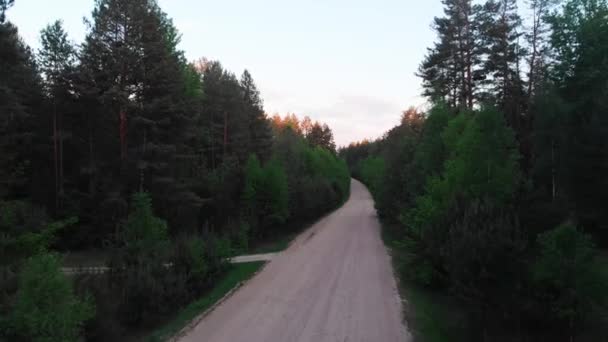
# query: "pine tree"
{"type": "Point", "coordinates": [580, 41]}
{"type": "Point", "coordinates": [20, 104]}
{"type": "Point", "coordinates": [140, 133]}
{"type": "Point", "coordinates": [501, 31]}
{"type": "Point", "coordinates": [57, 60]}
{"type": "Point", "coordinates": [259, 129]}
{"type": "Point", "coordinates": [4, 5]}
{"type": "Point", "coordinates": [538, 43]}
{"type": "Point", "coordinates": [449, 70]}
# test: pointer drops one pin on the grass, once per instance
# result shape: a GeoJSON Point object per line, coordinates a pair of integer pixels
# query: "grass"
{"type": "Point", "coordinates": [237, 274]}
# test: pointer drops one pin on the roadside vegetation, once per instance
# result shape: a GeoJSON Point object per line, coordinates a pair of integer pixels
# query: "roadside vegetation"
{"type": "Point", "coordinates": [496, 194]}
{"type": "Point", "coordinates": [164, 167]}
{"type": "Point", "coordinates": [239, 273]}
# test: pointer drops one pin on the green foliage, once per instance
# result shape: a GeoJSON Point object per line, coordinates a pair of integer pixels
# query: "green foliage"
{"type": "Point", "coordinates": [126, 112]}
{"type": "Point", "coordinates": [300, 182]}
{"type": "Point", "coordinates": [483, 254]}
{"type": "Point", "coordinates": [275, 196]}
{"type": "Point", "coordinates": [266, 194]}
{"type": "Point", "coordinates": [570, 281]}
{"type": "Point", "coordinates": [190, 258]}
{"type": "Point", "coordinates": [143, 232]}
{"type": "Point", "coordinates": [24, 231]}
{"type": "Point", "coordinates": [431, 152]}
{"type": "Point", "coordinates": [371, 170]}
{"type": "Point", "coordinates": [236, 274]}
{"type": "Point", "coordinates": [139, 266]}
{"type": "Point", "coordinates": [240, 240]}
{"type": "Point", "coordinates": [482, 163]}
{"type": "Point", "coordinates": [580, 40]}
{"type": "Point", "coordinates": [46, 309]}
{"type": "Point", "coordinates": [500, 159]}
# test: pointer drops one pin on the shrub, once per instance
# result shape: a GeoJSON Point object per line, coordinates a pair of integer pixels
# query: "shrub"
{"type": "Point", "coordinates": [265, 196]}
{"type": "Point", "coordinates": [372, 171]}
{"type": "Point", "coordinates": [139, 268]}
{"type": "Point", "coordinates": [483, 255]}
{"type": "Point", "coordinates": [46, 309]}
{"type": "Point", "coordinates": [189, 259]}
{"type": "Point", "coordinates": [568, 279]}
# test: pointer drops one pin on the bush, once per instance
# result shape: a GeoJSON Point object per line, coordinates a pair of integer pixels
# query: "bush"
{"type": "Point", "coordinates": [265, 196]}
{"type": "Point", "coordinates": [46, 309]}
{"type": "Point", "coordinates": [568, 279]}
{"type": "Point", "coordinates": [107, 325]}
{"type": "Point", "coordinates": [481, 166]}
{"type": "Point", "coordinates": [372, 172]}
{"type": "Point", "coordinates": [144, 233]}
{"type": "Point", "coordinates": [483, 255]}
{"type": "Point", "coordinates": [189, 260]}
{"type": "Point", "coordinates": [148, 289]}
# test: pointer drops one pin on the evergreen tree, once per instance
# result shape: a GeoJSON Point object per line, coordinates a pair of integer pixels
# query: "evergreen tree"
{"type": "Point", "coordinates": [580, 41]}
{"type": "Point", "coordinates": [501, 31]}
{"type": "Point", "coordinates": [134, 77]}
{"type": "Point", "coordinates": [57, 60]}
{"type": "Point", "coordinates": [4, 5]}
{"type": "Point", "coordinates": [538, 42]}
{"type": "Point", "coordinates": [449, 70]}
{"type": "Point", "coordinates": [259, 129]}
{"type": "Point", "coordinates": [20, 105]}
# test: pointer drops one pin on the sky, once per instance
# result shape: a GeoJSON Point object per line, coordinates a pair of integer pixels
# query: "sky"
{"type": "Point", "coordinates": [349, 63]}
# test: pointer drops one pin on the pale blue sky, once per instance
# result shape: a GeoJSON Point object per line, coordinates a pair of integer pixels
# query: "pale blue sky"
{"type": "Point", "coordinates": [348, 63]}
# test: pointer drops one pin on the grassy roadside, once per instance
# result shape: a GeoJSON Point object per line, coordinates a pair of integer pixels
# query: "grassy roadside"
{"type": "Point", "coordinates": [281, 239]}
{"type": "Point", "coordinates": [431, 316]}
{"type": "Point", "coordinates": [278, 243]}
{"type": "Point", "coordinates": [237, 274]}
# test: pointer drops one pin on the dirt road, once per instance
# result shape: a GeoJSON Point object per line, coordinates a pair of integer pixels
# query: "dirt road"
{"type": "Point", "coordinates": [334, 283]}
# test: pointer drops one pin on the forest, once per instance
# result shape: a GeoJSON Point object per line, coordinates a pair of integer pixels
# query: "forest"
{"type": "Point", "coordinates": [495, 197]}
{"type": "Point", "coordinates": [120, 144]}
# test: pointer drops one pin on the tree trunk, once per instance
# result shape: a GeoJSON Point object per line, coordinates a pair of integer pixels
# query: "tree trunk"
{"type": "Point", "coordinates": [61, 182]}
{"type": "Point", "coordinates": [56, 155]}
{"type": "Point", "coordinates": [553, 172]}
{"type": "Point", "coordinates": [225, 134]}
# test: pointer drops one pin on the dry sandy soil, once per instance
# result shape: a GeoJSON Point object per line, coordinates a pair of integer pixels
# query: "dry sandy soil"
{"type": "Point", "coordinates": [334, 283]}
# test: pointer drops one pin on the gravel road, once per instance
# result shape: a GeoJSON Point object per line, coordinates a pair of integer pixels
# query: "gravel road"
{"type": "Point", "coordinates": [334, 283]}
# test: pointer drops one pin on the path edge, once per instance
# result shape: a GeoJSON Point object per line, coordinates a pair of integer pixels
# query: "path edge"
{"type": "Point", "coordinates": [196, 320]}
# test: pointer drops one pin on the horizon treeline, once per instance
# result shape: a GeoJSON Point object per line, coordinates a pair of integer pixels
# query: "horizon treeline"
{"type": "Point", "coordinates": [496, 195]}
{"type": "Point", "coordinates": [120, 144]}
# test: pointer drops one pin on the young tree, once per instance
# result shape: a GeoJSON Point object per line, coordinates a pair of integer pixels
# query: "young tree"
{"type": "Point", "coordinates": [46, 308]}
{"type": "Point", "coordinates": [569, 279]}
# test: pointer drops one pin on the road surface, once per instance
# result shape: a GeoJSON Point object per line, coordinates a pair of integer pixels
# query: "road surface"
{"type": "Point", "coordinates": [334, 283]}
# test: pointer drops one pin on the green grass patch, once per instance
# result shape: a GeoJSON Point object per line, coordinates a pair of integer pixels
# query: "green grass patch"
{"type": "Point", "coordinates": [236, 274]}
